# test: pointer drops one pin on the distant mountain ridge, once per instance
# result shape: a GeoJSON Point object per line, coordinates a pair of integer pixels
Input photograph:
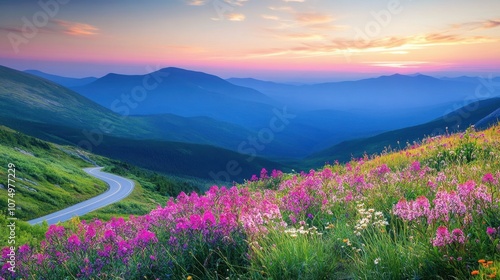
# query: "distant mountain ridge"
{"type": "Point", "coordinates": [395, 92]}
{"type": "Point", "coordinates": [484, 113]}
{"type": "Point", "coordinates": [64, 81]}
{"type": "Point", "coordinates": [180, 92]}
{"type": "Point", "coordinates": [49, 111]}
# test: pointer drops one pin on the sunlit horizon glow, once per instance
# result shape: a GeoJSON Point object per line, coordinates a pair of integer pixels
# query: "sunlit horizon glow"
{"type": "Point", "coordinates": [280, 40]}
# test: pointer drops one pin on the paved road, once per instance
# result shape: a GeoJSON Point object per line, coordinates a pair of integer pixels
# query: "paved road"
{"type": "Point", "coordinates": [119, 188]}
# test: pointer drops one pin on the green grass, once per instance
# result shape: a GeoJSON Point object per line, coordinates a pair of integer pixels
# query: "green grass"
{"type": "Point", "coordinates": [48, 177]}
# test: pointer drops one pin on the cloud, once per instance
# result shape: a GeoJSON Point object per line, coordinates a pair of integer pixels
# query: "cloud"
{"type": "Point", "coordinates": [281, 8]}
{"type": "Point", "coordinates": [395, 45]}
{"type": "Point", "coordinates": [269, 17]}
{"type": "Point", "coordinates": [491, 23]}
{"type": "Point", "coordinates": [76, 28]}
{"type": "Point", "coordinates": [238, 3]}
{"type": "Point", "coordinates": [57, 26]}
{"type": "Point", "coordinates": [398, 64]}
{"type": "Point", "coordinates": [196, 2]}
{"type": "Point", "coordinates": [235, 17]}
{"type": "Point", "coordinates": [303, 36]}
{"type": "Point", "coordinates": [299, 1]}
{"type": "Point", "coordinates": [313, 18]}
{"type": "Point", "coordinates": [478, 25]}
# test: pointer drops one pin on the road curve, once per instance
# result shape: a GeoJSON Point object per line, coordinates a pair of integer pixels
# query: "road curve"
{"type": "Point", "coordinates": [119, 188]}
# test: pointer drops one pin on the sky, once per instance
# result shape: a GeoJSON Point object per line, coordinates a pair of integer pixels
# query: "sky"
{"type": "Point", "coordinates": [280, 40]}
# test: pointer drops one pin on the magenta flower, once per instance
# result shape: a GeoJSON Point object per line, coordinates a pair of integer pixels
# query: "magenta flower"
{"type": "Point", "coordinates": [488, 178]}
{"type": "Point", "coordinates": [208, 219]}
{"type": "Point", "coordinates": [55, 231]}
{"type": "Point", "coordinates": [442, 237]}
{"type": "Point", "coordinates": [415, 166]}
{"type": "Point", "coordinates": [145, 237]}
{"type": "Point", "coordinates": [491, 231]}
{"type": "Point", "coordinates": [74, 242]}
{"type": "Point", "coordinates": [276, 173]}
{"type": "Point", "coordinates": [109, 234]}
{"type": "Point", "coordinates": [263, 174]}
{"type": "Point", "coordinates": [24, 249]}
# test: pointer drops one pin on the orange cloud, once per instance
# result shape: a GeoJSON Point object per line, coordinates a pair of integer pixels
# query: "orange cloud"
{"type": "Point", "coordinates": [196, 2]}
{"type": "Point", "coordinates": [76, 28]}
{"type": "Point", "coordinates": [396, 45]}
{"type": "Point", "coordinates": [235, 17]}
{"type": "Point", "coordinates": [313, 18]}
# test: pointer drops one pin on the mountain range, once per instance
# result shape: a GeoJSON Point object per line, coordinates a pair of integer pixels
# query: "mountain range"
{"type": "Point", "coordinates": [191, 123]}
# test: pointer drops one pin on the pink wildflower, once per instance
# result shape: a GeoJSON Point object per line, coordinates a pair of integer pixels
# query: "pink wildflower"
{"type": "Point", "coordinates": [442, 237]}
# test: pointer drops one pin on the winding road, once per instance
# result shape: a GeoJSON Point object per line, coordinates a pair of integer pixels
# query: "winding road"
{"type": "Point", "coordinates": [119, 188]}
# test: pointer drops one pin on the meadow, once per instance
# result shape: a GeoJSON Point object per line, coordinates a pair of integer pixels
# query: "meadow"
{"type": "Point", "coordinates": [429, 211]}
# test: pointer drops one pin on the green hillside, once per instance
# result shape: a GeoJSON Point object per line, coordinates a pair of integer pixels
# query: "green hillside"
{"type": "Point", "coordinates": [48, 177]}
{"type": "Point", "coordinates": [43, 109]}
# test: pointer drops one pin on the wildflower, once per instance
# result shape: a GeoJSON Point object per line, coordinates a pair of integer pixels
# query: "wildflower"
{"type": "Point", "coordinates": [263, 174]}
{"type": "Point", "coordinates": [481, 261]}
{"type": "Point", "coordinates": [74, 242]}
{"type": "Point", "coordinates": [475, 272]}
{"type": "Point", "coordinates": [276, 173]}
{"type": "Point", "coordinates": [491, 231]}
{"type": "Point", "coordinates": [442, 237]}
{"type": "Point", "coordinates": [145, 237]}
{"type": "Point", "coordinates": [457, 235]}
{"type": "Point", "coordinates": [189, 277]}
{"type": "Point", "coordinates": [24, 248]}
{"type": "Point", "coordinates": [415, 166]}
{"type": "Point", "coordinates": [488, 178]}
{"type": "Point", "coordinates": [376, 261]}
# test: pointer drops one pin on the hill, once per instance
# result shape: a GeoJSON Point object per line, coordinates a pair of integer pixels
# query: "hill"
{"type": "Point", "coordinates": [63, 81]}
{"type": "Point", "coordinates": [457, 120]}
{"type": "Point", "coordinates": [180, 92]}
{"type": "Point", "coordinates": [48, 177]}
{"type": "Point", "coordinates": [396, 92]}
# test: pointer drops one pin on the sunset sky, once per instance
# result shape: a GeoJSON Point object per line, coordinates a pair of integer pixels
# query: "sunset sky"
{"type": "Point", "coordinates": [282, 40]}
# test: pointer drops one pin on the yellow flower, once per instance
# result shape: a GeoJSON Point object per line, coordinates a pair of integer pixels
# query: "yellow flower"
{"type": "Point", "coordinates": [189, 277]}
{"type": "Point", "coordinates": [475, 272]}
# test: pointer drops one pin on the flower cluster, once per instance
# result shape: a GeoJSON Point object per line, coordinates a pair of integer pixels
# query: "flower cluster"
{"type": "Point", "coordinates": [369, 218]}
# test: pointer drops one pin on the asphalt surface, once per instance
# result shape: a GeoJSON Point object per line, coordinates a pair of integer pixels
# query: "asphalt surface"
{"type": "Point", "coordinates": [119, 188]}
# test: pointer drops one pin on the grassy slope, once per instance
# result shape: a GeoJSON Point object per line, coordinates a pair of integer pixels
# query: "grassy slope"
{"type": "Point", "coordinates": [52, 178]}
{"type": "Point", "coordinates": [49, 177]}
{"type": "Point", "coordinates": [341, 203]}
